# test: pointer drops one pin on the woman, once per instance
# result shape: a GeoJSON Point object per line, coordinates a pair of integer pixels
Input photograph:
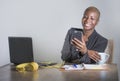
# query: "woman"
{"type": "Point", "coordinates": [83, 45]}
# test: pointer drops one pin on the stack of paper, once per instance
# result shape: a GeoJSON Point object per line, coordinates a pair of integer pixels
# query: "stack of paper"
{"type": "Point", "coordinates": [94, 66]}
{"type": "Point", "coordinates": [83, 66]}
{"type": "Point", "coordinates": [73, 67]}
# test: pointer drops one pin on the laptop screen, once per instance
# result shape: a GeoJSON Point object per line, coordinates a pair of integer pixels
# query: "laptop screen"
{"type": "Point", "coordinates": [20, 49]}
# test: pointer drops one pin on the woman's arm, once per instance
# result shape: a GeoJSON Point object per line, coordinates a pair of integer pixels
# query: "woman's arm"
{"type": "Point", "coordinates": [66, 53]}
{"type": "Point", "coordinates": [90, 55]}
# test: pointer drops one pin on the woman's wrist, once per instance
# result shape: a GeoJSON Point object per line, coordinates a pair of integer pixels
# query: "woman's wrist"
{"type": "Point", "coordinates": [86, 51]}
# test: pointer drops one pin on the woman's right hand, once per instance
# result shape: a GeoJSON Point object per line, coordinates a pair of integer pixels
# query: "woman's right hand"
{"type": "Point", "coordinates": [94, 55]}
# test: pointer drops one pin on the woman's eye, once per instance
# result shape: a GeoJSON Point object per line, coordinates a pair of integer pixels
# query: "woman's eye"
{"type": "Point", "coordinates": [92, 19]}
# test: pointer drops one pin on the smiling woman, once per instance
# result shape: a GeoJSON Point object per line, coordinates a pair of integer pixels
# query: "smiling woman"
{"type": "Point", "coordinates": [85, 50]}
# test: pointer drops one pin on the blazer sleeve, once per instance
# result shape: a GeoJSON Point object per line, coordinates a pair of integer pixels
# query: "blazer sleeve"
{"type": "Point", "coordinates": [98, 44]}
{"type": "Point", "coordinates": [66, 53]}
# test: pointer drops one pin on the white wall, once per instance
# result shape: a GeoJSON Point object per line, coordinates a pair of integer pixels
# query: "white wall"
{"type": "Point", "coordinates": [47, 22]}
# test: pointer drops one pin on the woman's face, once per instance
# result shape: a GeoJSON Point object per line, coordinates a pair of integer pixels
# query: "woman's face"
{"type": "Point", "coordinates": [89, 20]}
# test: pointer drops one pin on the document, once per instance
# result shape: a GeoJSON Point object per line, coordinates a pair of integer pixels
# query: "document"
{"type": "Point", "coordinates": [73, 67]}
{"type": "Point", "coordinates": [83, 66]}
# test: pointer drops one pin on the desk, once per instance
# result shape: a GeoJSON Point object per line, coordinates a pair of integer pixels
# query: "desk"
{"type": "Point", "coordinates": [8, 73]}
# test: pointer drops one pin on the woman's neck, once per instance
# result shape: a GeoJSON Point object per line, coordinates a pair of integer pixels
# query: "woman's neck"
{"type": "Point", "coordinates": [86, 34]}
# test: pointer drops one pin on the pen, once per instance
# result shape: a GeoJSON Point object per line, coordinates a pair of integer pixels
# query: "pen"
{"type": "Point", "coordinates": [75, 65]}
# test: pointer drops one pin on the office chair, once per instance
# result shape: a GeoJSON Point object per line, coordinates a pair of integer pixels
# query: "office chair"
{"type": "Point", "coordinates": [109, 50]}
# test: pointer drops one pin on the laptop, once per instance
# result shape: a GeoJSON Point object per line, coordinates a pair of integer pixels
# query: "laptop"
{"type": "Point", "coordinates": [20, 49]}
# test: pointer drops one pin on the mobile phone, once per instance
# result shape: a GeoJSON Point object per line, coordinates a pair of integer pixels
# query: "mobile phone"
{"type": "Point", "coordinates": [77, 34]}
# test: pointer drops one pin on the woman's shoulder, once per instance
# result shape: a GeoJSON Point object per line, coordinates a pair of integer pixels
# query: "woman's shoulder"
{"type": "Point", "coordinates": [101, 37]}
{"type": "Point", "coordinates": [72, 29]}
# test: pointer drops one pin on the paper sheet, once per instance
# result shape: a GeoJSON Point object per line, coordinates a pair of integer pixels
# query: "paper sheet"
{"type": "Point", "coordinates": [83, 66]}
{"type": "Point", "coordinates": [73, 67]}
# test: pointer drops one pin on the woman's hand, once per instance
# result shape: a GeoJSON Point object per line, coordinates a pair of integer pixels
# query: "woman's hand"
{"type": "Point", "coordinates": [94, 55]}
{"type": "Point", "coordinates": [80, 45]}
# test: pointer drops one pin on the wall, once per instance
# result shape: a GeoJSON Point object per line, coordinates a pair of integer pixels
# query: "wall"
{"type": "Point", "coordinates": [47, 22]}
